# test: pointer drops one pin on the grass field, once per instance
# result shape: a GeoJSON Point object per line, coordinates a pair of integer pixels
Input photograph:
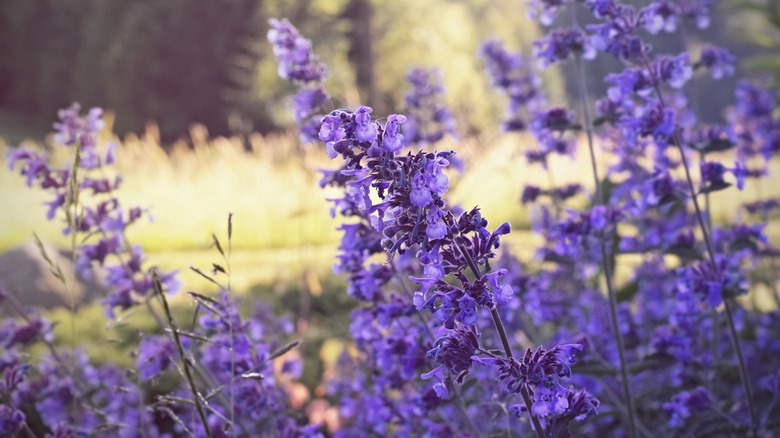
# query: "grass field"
{"type": "Point", "coordinates": [281, 219]}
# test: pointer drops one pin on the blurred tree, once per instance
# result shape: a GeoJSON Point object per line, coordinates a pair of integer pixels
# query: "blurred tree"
{"type": "Point", "coordinates": [177, 62]}
{"type": "Point", "coordinates": [184, 61]}
{"type": "Point", "coordinates": [360, 15]}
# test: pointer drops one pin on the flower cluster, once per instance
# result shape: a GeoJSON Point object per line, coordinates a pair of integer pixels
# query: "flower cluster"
{"type": "Point", "coordinates": [64, 394]}
{"type": "Point", "coordinates": [677, 314]}
{"type": "Point", "coordinates": [402, 198]}
{"type": "Point", "coordinates": [514, 76]}
{"type": "Point", "coordinates": [428, 117]}
{"type": "Point", "coordinates": [298, 64]}
{"type": "Point", "coordinates": [103, 223]}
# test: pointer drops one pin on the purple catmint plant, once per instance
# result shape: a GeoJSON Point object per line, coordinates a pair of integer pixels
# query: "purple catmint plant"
{"type": "Point", "coordinates": [645, 123]}
{"type": "Point", "coordinates": [456, 282]}
{"type": "Point", "coordinates": [514, 76]}
{"type": "Point", "coordinates": [104, 220]}
{"type": "Point", "coordinates": [65, 394]}
{"type": "Point", "coordinates": [299, 65]}
{"type": "Point", "coordinates": [428, 117]}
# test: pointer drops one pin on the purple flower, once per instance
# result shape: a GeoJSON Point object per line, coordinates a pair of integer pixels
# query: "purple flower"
{"type": "Point", "coordinates": [560, 45]}
{"type": "Point", "coordinates": [515, 77]}
{"type": "Point", "coordinates": [428, 118]}
{"type": "Point", "coordinates": [296, 60]}
{"type": "Point", "coordinates": [714, 283]}
{"type": "Point", "coordinates": [454, 351]}
{"type": "Point", "coordinates": [530, 193]}
{"type": "Point", "coordinates": [11, 421]}
{"type": "Point", "coordinates": [393, 140]}
{"type": "Point", "coordinates": [685, 404]}
{"type": "Point", "coordinates": [660, 16]}
{"type": "Point", "coordinates": [155, 355]}
{"type": "Point", "coordinates": [719, 61]}
{"type": "Point", "coordinates": [545, 10]}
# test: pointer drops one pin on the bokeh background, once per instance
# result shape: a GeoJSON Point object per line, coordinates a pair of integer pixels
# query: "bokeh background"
{"type": "Point", "coordinates": [204, 128]}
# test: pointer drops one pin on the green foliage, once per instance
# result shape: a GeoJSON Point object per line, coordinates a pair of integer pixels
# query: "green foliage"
{"type": "Point", "coordinates": [759, 24]}
{"type": "Point", "coordinates": [179, 62]}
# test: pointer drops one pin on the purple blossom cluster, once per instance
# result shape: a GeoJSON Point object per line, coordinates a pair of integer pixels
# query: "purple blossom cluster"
{"type": "Point", "coordinates": [63, 394]}
{"type": "Point", "coordinates": [677, 315]}
{"type": "Point", "coordinates": [515, 77]}
{"type": "Point", "coordinates": [440, 257]}
{"type": "Point", "coordinates": [428, 119]}
{"type": "Point", "coordinates": [101, 223]}
{"type": "Point", "coordinates": [675, 319]}
{"type": "Point", "coordinates": [299, 65]}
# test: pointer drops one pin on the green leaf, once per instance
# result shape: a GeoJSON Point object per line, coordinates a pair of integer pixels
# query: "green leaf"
{"type": "Point", "coordinates": [627, 292]}
{"type": "Point", "coordinates": [714, 145]}
{"type": "Point", "coordinates": [715, 187]}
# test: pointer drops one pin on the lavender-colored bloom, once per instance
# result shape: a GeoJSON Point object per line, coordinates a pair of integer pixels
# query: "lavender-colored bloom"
{"type": "Point", "coordinates": [560, 45]}
{"type": "Point", "coordinates": [719, 62]}
{"type": "Point", "coordinates": [617, 36]}
{"type": "Point", "coordinates": [675, 71]}
{"type": "Point", "coordinates": [763, 207]}
{"type": "Point", "coordinates": [511, 74]}
{"type": "Point", "coordinates": [428, 117]}
{"type": "Point", "coordinates": [685, 404]}
{"type": "Point", "coordinates": [393, 140]}
{"type": "Point", "coordinates": [530, 193]}
{"type": "Point", "coordinates": [306, 104]}
{"type": "Point", "coordinates": [296, 60]}
{"type": "Point", "coordinates": [545, 10]}
{"type": "Point", "coordinates": [712, 174]}
{"type": "Point", "coordinates": [73, 127]}
{"type": "Point", "coordinates": [155, 355]}
{"type": "Point", "coordinates": [714, 283]}
{"type": "Point", "coordinates": [697, 11]}
{"type": "Point", "coordinates": [11, 421]}
{"type": "Point", "coordinates": [660, 16]}
{"type": "Point", "coordinates": [454, 351]}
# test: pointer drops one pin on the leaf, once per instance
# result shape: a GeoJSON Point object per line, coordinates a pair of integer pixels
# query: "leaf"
{"type": "Point", "coordinates": [215, 243]}
{"type": "Point", "coordinates": [715, 187]}
{"type": "Point", "coordinates": [627, 292]}
{"type": "Point", "coordinates": [714, 145]}
{"type": "Point", "coordinates": [192, 336]}
{"type": "Point", "coordinates": [230, 226]}
{"type": "Point", "coordinates": [199, 272]}
{"type": "Point", "coordinates": [283, 350]}
{"type": "Point", "coordinates": [767, 62]}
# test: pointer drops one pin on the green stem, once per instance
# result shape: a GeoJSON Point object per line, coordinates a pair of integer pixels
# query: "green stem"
{"type": "Point", "coordinates": [624, 377]}
{"type": "Point", "coordinates": [505, 342]}
{"type": "Point", "coordinates": [185, 361]}
{"type": "Point", "coordinates": [743, 375]}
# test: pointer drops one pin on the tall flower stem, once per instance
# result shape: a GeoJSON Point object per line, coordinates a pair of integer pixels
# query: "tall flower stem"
{"type": "Point", "coordinates": [196, 397]}
{"type": "Point", "coordinates": [743, 375]}
{"type": "Point", "coordinates": [505, 343]}
{"type": "Point", "coordinates": [624, 377]}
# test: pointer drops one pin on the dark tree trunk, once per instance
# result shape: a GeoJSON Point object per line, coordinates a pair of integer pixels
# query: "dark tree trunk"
{"type": "Point", "coordinates": [360, 15]}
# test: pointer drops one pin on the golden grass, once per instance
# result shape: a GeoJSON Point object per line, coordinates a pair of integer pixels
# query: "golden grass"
{"type": "Point", "coordinates": [274, 194]}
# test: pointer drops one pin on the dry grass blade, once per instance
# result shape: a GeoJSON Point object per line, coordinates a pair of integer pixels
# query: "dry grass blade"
{"type": "Point", "coordinates": [195, 394]}
{"type": "Point", "coordinates": [176, 419]}
{"type": "Point", "coordinates": [54, 268]}
{"type": "Point", "coordinates": [216, 244]}
{"type": "Point", "coordinates": [202, 274]}
{"type": "Point", "coordinates": [192, 336]}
